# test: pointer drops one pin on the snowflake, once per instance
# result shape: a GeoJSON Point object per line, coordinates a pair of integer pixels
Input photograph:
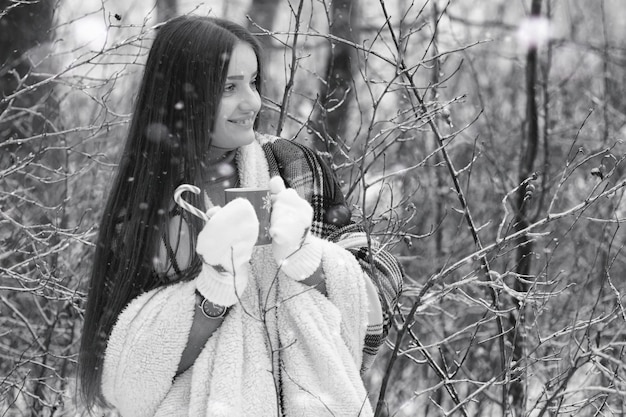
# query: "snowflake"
{"type": "Point", "coordinates": [267, 203]}
{"type": "Point", "coordinates": [534, 32]}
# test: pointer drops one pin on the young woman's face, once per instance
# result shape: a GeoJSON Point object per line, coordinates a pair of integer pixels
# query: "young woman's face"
{"type": "Point", "coordinates": [240, 102]}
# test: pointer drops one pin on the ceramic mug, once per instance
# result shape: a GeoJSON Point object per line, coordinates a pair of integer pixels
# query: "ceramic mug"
{"type": "Point", "coordinates": [262, 203]}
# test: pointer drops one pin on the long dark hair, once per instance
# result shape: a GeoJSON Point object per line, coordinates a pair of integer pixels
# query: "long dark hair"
{"type": "Point", "coordinates": [168, 140]}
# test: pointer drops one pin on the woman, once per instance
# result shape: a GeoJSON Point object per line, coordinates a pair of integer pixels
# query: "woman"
{"type": "Point", "coordinates": [191, 318]}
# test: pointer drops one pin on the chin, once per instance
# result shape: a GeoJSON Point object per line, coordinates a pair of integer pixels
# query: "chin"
{"type": "Point", "coordinates": [247, 139]}
{"type": "Point", "coordinates": [232, 139]}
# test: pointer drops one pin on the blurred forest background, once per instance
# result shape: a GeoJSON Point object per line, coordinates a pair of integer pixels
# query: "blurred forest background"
{"type": "Point", "coordinates": [481, 142]}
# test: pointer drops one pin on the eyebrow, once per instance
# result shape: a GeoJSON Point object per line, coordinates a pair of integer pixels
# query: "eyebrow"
{"type": "Point", "coordinates": [239, 77]}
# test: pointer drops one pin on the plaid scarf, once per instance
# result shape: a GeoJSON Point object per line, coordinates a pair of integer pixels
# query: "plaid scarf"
{"type": "Point", "coordinates": [302, 169]}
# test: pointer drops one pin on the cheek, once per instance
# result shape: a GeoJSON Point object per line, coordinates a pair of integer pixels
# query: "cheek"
{"type": "Point", "coordinates": [222, 113]}
{"type": "Point", "coordinates": [219, 128]}
{"type": "Point", "coordinates": [225, 108]}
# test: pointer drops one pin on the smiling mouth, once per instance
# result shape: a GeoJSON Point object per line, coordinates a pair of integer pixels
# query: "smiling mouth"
{"type": "Point", "coordinates": [244, 123]}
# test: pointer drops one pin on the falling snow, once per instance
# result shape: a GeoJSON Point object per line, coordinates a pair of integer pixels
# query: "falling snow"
{"type": "Point", "coordinates": [534, 32]}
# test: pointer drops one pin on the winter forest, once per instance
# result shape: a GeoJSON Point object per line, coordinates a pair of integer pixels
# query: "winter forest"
{"type": "Point", "coordinates": [482, 143]}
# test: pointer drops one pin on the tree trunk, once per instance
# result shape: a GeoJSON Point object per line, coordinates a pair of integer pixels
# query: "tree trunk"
{"type": "Point", "coordinates": [329, 120]}
{"type": "Point", "coordinates": [23, 27]}
{"type": "Point", "coordinates": [530, 145]}
{"type": "Point", "coordinates": [262, 14]}
{"type": "Point", "coordinates": [166, 9]}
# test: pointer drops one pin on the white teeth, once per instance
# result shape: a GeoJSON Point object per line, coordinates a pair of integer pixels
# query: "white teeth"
{"type": "Point", "coordinates": [242, 122]}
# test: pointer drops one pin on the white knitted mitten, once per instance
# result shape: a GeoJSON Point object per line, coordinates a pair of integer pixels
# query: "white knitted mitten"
{"type": "Point", "coordinates": [225, 245]}
{"type": "Point", "coordinates": [297, 252]}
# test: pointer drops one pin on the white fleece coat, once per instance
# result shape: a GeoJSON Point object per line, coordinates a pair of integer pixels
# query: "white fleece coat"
{"type": "Point", "coordinates": [281, 334]}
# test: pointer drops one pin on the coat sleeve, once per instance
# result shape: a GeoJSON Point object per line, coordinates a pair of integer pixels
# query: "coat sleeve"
{"type": "Point", "coordinates": [145, 347]}
{"type": "Point", "coordinates": [386, 277]}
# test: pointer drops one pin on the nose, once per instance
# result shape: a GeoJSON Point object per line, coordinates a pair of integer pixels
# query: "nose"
{"type": "Point", "coordinates": [250, 100]}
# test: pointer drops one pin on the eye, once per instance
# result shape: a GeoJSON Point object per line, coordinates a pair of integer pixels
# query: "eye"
{"type": "Point", "coordinates": [254, 83]}
{"type": "Point", "coordinates": [229, 88]}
